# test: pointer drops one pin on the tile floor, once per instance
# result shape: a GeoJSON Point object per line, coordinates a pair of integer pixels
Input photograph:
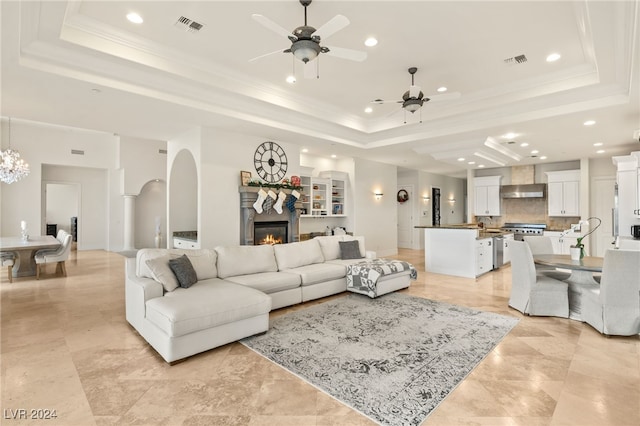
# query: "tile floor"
{"type": "Point", "coordinates": [66, 346]}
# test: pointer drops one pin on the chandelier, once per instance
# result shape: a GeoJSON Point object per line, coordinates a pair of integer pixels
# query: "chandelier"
{"type": "Point", "coordinates": [12, 168]}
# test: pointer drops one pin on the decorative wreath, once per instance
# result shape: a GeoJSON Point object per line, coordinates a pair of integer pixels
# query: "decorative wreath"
{"type": "Point", "coordinates": [403, 196]}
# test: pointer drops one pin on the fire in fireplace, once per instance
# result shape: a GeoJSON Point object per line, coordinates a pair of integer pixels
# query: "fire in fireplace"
{"type": "Point", "coordinates": [270, 232]}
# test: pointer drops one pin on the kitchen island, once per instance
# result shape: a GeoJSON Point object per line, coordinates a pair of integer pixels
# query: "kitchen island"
{"type": "Point", "coordinates": [464, 250]}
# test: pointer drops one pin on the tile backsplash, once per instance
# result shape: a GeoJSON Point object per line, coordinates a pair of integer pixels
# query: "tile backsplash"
{"type": "Point", "coordinates": [527, 210]}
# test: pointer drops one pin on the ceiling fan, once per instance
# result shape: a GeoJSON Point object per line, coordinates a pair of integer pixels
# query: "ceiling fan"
{"type": "Point", "coordinates": [413, 99]}
{"type": "Point", "coordinates": [305, 40]}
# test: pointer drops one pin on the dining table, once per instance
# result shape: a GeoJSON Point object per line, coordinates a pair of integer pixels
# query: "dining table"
{"type": "Point", "coordinates": [581, 278]}
{"type": "Point", "coordinates": [25, 250]}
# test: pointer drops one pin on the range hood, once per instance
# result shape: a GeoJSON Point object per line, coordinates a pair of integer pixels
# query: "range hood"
{"type": "Point", "coordinates": [532, 190]}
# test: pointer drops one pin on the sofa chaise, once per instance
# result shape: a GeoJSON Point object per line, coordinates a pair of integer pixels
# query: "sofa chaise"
{"type": "Point", "coordinates": [236, 288]}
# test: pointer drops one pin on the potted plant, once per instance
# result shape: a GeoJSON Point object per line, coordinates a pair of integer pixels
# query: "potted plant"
{"type": "Point", "coordinates": [577, 250]}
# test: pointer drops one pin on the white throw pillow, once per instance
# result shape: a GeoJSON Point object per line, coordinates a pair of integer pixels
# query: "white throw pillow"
{"type": "Point", "coordinates": [162, 273]}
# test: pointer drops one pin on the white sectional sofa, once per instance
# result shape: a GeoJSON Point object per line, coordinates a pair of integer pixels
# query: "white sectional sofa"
{"type": "Point", "coordinates": [236, 289]}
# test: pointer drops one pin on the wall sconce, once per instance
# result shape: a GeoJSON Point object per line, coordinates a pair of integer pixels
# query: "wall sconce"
{"type": "Point", "coordinates": [452, 200]}
{"type": "Point", "coordinates": [378, 195]}
{"type": "Point", "coordinates": [425, 199]}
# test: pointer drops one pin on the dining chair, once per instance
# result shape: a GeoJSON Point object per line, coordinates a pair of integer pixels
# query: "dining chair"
{"type": "Point", "coordinates": [59, 256]}
{"type": "Point", "coordinates": [535, 294]}
{"type": "Point", "coordinates": [8, 260]}
{"type": "Point", "coordinates": [614, 307]}
{"type": "Point", "coordinates": [543, 245]}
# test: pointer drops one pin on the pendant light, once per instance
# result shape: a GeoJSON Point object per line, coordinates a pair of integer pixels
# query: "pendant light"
{"type": "Point", "coordinates": [12, 167]}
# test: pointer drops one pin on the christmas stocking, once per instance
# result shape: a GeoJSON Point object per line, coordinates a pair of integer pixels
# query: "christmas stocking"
{"type": "Point", "coordinates": [291, 202]}
{"type": "Point", "coordinates": [278, 204]}
{"type": "Point", "coordinates": [268, 204]}
{"type": "Point", "coordinates": [258, 204]}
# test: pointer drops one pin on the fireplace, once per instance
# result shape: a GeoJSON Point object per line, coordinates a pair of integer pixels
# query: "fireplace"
{"type": "Point", "coordinates": [252, 222]}
{"type": "Point", "coordinates": [270, 232]}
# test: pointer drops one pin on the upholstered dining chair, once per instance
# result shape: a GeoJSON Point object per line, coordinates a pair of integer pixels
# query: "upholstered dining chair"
{"type": "Point", "coordinates": [535, 294]}
{"type": "Point", "coordinates": [8, 259]}
{"type": "Point", "coordinates": [614, 308]}
{"type": "Point", "coordinates": [59, 256]}
{"type": "Point", "coordinates": [543, 245]}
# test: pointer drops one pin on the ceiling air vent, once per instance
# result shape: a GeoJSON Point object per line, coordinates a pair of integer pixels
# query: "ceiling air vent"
{"type": "Point", "coordinates": [162, 151]}
{"type": "Point", "coordinates": [516, 59]}
{"type": "Point", "coordinates": [188, 25]}
{"type": "Point", "coordinates": [77, 152]}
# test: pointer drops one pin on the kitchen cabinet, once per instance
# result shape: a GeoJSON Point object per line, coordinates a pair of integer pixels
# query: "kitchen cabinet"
{"type": "Point", "coordinates": [506, 253]}
{"type": "Point", "coordinates": [628, 180]}
{"type": "Point", "coordinates": [487, 195]}
{"type": "Point", "coordinates": [182, 243]}
{"type": "Point", "coordinates": [323, 196]}
{"type": "Point", "coordinates": [564, 193]}
{"type": "Point", "coordinates": [484, 256]}
{"type": "Point", "coordinates": [562, 244]}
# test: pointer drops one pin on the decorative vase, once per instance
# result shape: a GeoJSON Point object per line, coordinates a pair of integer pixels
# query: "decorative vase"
{"type": "Point", "coordinates": [576, 253]}
{"type": "Point", "coordinates": [158, 240]}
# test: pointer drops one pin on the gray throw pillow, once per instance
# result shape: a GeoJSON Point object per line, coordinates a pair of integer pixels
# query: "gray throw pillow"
{"type": "Point", "coordinates": [350, 250]}
{"type": "Point", "coordinates": [183, 269]}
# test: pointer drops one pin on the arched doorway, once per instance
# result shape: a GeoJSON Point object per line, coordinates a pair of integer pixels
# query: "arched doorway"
{"type": "Point", "coordinates": [183, 194]}
{"type": "Point", "coordinates": [151, 211]}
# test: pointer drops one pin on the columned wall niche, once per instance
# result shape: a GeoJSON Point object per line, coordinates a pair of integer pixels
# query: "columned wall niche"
{"type": "Point", "coordinates": [249, 216]}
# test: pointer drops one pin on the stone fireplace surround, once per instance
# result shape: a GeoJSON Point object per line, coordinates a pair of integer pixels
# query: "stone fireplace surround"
{"type": "Point", "coordinates": [248, 215]}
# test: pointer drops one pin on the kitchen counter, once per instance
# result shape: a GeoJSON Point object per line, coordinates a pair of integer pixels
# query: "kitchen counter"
{"type": "Point", "coordinates": [481, 232]}
{"type": "Point", "coordinates": [186, 235]}
{"type": "Point", "coordinates": [462, 251]}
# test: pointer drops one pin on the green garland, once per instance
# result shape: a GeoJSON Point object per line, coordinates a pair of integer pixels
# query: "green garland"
{"type": "Point", "coordinates": [274, 185]}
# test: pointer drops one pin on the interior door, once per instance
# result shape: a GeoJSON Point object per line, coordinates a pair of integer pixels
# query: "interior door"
{"type": "Point", "coordinates": [435, 213]}
{"type": "Point", "coordinates": [405, 219]}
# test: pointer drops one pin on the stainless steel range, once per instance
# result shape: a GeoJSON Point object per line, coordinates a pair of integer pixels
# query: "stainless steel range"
{"type": "Point", "coordinates": [521, 229]}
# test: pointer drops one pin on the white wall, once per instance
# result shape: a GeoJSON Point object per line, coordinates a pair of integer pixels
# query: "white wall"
{"type": "Point", "coordinates": [141, 162]}
{"type": "Point", "coordinates": [93, 232]}
{"type": "Point", "coordinates": [151, 204]}
{"type": "Point", "coordinates": [62, 203]}
{"type": "Point", "coordinates": [376, 220]}
{"type": "Point", "coordinates": [41, 144]}
{"type": "Point", "coordinates": [220, 157]}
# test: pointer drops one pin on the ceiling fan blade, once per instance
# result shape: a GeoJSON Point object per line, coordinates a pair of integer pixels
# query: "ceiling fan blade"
{"type": "Point", "coordinates": [268, 23]}
{"type": "Point", "coordinates": [266, 54]}
{"type": "Point", "coordinates": [336, 23]}
{"type": "Point", "coordinates": [352, 55]}
{"type": "Point", "coordinates": [311, 69]}
{"type": "Point", "coordinates": [380, 102]}
{"type": "Point", "coordinates": [444, 97]}
{"type": "Point", "coordinates": [414, 91]}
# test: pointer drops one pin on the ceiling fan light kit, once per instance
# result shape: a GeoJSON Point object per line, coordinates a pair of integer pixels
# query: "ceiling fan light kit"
{"type": "Point", "coordinates": [305, 39]}
{"type": "Point", "coordinates": [413, 99]}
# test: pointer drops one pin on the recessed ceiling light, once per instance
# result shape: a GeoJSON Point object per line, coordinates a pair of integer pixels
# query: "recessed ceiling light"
{"type": "Point", "coordinates": [524, 144]}
{"type": "Point", "coordinates": [461, 159]}
{"type": "Point", "coordinates": [510, 135]}
{"type": "Point", "coordinates": [291, 79]}
{"type": "Point", "coordinates": [135, 18]}
{"type": "Point", "coordinates": [481, 165]}
{"type": "Point", "coordinates": [333, 156]}
{"type": "Point", "coordinates": [600, 151]}
{"type": "Point", "coordinates": [305, 150]}
{"type": "Point", "coordinates": [553, 57]}
{"type": "Point", "coordinates": [371, 41]}
{"type": "Point", "coordinates": [589, 123]}
{"type": "Point", "coordinates": [544, 157]}
{"type": "Point", "coordinates": [471, 162]}
{"type": "Point", "coordinates": [442, 89]}
{"type": "Point", "coordinates": [598, 144]}
{"type": "Point", "coordinates": [368, 110]}
{"type": "Point", "coordinates": [535, 151]}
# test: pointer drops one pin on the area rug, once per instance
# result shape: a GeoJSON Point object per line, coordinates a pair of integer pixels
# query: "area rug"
{"type": "Point", "coordinates": [394, 358]}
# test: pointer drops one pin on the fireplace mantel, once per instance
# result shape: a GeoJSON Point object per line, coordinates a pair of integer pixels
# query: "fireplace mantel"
{"type": "Point", "coordinates": [248, 215]}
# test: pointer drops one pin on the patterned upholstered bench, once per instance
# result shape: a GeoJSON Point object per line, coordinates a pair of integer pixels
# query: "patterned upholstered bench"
{"type": "Point", "coordinates": [375, 277]}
